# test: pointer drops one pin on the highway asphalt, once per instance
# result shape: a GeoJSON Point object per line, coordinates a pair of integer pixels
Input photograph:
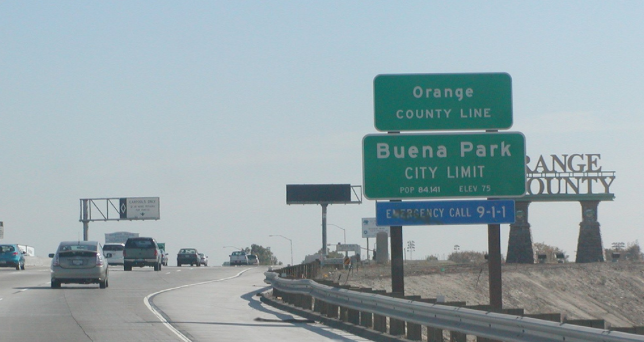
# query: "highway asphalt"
{"type": "Point", "coordinates": [174, 304]}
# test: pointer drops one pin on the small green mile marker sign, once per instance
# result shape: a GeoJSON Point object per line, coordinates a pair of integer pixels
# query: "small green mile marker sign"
{"type": "Point", "coordinates": [420, 102]}
{"type": "Point", "coordinates": [399, 166]}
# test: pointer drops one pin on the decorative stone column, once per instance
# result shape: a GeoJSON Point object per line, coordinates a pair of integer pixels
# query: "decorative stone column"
{"type": "Point", "coordinates": [589, 245]}
{"type": "Point", "coordinates": [520, 250]}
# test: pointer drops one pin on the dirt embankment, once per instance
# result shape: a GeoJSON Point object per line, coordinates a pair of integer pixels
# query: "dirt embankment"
{"type": "Point", "coordinates": [610, 291]}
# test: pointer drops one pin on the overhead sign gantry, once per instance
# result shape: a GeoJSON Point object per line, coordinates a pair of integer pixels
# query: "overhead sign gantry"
{"type": "Point", "coordinates": [117, 209]}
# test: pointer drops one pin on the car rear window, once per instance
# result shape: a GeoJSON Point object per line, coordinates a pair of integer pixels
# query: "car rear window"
{"type": "Point", "coordinates": [113, 247]}
{"type": "Point", "coordinates": [7, 249]}
{"type": "Point", "coordinates": [136, 243]}
{"type": "Point", "coordinates": [67, 248]}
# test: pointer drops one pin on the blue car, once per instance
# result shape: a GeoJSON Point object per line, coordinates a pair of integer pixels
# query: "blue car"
{"type": "Point", "coordinates": [11, 256]}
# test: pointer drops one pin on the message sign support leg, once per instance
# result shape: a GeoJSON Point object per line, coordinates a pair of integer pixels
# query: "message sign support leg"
{"type": "Point", "coordinates": [494, 266]}
{"type": "Point", "coordinates": [324, 248]}
{"type": "Point", "coordinates": [85, 218]}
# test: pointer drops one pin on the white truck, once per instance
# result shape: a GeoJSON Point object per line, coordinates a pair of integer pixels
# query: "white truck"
{"type": "Point", "coordinates": [238, 258]}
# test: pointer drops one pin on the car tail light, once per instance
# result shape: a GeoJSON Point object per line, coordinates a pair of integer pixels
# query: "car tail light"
{"type": "Point", "coordinates": [99, 259]}
{"type": "Point", "coordinates": [15, 253]}
{"type": "Point", "coordinates": [55, 262]}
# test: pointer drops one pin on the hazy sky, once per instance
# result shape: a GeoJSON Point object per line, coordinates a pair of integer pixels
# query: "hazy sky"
{"type": "Point", "coordinates": [214, 106]}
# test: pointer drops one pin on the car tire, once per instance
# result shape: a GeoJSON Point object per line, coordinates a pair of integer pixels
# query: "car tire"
{"type": "Point", "coordinates": [102, 283]}
{"type": "Point", "coordinates": [199, 264]}
{"type": "Point", "coordinates": [160, 266]}
{"type": "Point", "coordinates": [55, 284]}
{"type": "Point", "coordinates": [127, 267]}
{"type": "Point", "coordinates": [178, 264]}
{"type": "Point", "coordinates": [18, 267]}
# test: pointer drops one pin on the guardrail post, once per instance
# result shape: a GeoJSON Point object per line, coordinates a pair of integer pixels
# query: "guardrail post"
{"type": "Point", "coordinates": [297, 300]}
{"type": "Point", "coordinates": [591, 323]}
{"type": "Point", "coordinates": [433, 334]}
{"type": "Point", "coordinates": [396, 326]}
{"type": "Point", "coordinates": [380, 322]}
{"type": "Point", "coordinates": [353, 315]}
{"type": "Point", "coordinates": [366, 318]}
{"type": "Point", "coordinates": [414, 331]}
{"type": "Point", "coordinates": [307, 302]}
{"type": "Point", "coordinates": [331, 310]}
{"type": "Point", "coordinates": [455, 336]}
{"type": "Point", "coordinates": [276, 293]}
{"type": "Point", "coordinates": [317, 305]}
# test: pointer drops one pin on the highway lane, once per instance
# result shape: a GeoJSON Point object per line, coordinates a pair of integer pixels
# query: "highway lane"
{"type": "Point", "coordinates": [175, 304]}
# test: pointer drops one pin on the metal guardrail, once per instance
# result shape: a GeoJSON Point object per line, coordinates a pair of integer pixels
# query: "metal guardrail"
{"type": "Point", "coordinates": [483, 324]}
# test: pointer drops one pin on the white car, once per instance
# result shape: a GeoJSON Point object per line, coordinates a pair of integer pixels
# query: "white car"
{"type": "Point", "coordinates": [252, 259]}
{"type": "Point", "coordinates": [114, 253]}
{"type": "Point", "coordinates": [203, 259]}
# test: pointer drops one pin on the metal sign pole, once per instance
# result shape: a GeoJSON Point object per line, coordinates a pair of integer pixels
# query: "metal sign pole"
{"type": "Point", "coordinates": [494, 266]}
{"type": "Point", "coordinates": [397, 262]}
{"type": "Point", "coordinates": [324, 206]}
{"type": "Point", "coordinates": [85, 219]}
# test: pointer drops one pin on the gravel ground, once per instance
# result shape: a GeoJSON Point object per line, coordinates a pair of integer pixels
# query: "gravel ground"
{"type": "Point", "coordinates": [610, 291]}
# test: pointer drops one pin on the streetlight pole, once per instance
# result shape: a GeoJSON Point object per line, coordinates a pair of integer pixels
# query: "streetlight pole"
{"type": "Point", "coordinates": [291, 241]}
{"type": "Point", "coordinates": [344, 231]}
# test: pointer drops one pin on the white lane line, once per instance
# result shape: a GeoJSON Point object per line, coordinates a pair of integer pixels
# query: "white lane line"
{"type": "Point", "coordinates": [148, 302]}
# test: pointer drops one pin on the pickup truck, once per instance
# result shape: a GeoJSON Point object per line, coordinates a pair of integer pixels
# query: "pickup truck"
{"type": "Point", "coordinates": [141, 251]}
{"type": "Point", "coordinates": [238, 258]}
{"type": "Point", "coordinates": [188, 256]}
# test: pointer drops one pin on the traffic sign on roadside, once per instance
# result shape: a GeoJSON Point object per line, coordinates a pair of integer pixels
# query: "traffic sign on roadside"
{"type": "Point", "coordinates": [399, 166]}
{"type": "Point", "coordinates": [370, 229]}
{"type": "Point", "coordinates": [422, 213]}
{"type": "Point", "coordinates": [415, 102]}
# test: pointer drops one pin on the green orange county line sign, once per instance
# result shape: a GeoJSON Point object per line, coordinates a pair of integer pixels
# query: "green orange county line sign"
{"type": "Point", "coordinates": [399, 166]}
{"type": "Point", "coordinates": [415, 102]}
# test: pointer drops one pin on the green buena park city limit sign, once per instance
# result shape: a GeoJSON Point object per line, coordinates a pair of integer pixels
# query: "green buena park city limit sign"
{"type": "Point", "coordinates": [439, 165]}
{"type": "Point", "coordinates": [420, 102]}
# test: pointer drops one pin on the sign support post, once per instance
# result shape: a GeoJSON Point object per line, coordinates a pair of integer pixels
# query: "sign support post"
{"type": "Point", "coordinates": [494, 266]}
{"type": "Point", "coordinates": [397, 262]}
{"type": "Point", "coordinates": [324, 206]}
{"type": "Point", "coordinates": [85, 219]}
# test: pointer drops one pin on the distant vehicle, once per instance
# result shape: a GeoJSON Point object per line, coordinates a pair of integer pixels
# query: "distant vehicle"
{"type": "Point", "coordinates": [252, 259]}
{"type": "Point", "coordinates": [12, 256]}
{"type": "Point", "coordinates": [203, 259]}
{"type": "Point", "coordinates": [141, 251]}
{"type": "Point", "coordinates": [79, 262]}
{"type": "Point", "coordinates": [188, 256]}
{"type": "Point", "coordinates": [114, 253]}
{"type": "Point", "coordinates": [164, 257]}
{"type": "Point", "coordinates": [226, 263]}
{"type": "Point", "coordinates": [238, 258]}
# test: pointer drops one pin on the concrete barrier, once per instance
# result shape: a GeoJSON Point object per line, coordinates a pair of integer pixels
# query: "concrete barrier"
{"type": "Point", "coordinates": [34, 261]}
